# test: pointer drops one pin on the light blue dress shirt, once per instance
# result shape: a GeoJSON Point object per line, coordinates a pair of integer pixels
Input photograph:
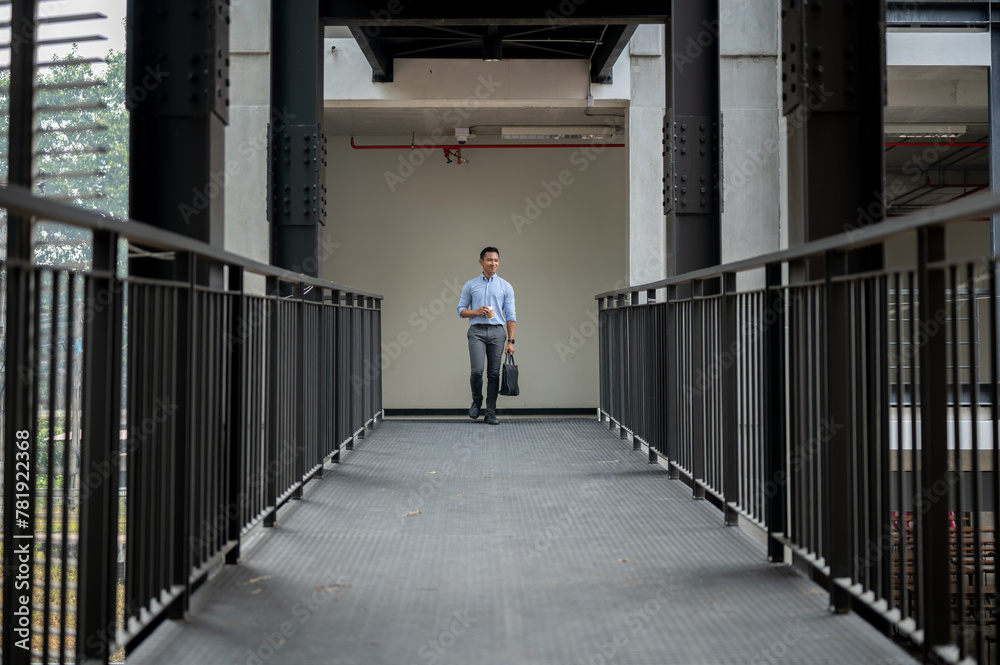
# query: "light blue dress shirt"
{"type": "Point", "coordinates": [495, 292]}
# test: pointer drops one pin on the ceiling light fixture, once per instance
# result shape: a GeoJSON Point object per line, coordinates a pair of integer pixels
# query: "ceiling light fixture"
{"type": "Point", "coordinates": [558, 132]}
{"type": "Point", "coordinates": [916, 131]}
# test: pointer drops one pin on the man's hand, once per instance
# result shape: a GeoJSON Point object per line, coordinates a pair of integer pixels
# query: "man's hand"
{"type": "Point", "coordinates": [484, 311]}
{"type": "Point", "coordinates": [510, 348]}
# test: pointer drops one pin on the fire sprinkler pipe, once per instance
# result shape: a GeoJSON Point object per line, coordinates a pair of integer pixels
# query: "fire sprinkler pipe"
{"type": "Point", "coordinates": [466, 146]}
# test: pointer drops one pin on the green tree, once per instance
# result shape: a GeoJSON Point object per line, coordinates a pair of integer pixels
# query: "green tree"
{"type": "Point", "coordinates": [81, 147]}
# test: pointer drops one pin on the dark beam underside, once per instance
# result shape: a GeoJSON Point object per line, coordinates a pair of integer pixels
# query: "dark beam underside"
{"type": "Point", "coordinates": [378, 14]}
{"type": "Point", "coordinates": [613, 43]}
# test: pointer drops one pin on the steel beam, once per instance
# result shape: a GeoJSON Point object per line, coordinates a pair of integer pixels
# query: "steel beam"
{"type": "Point", "coordinates": [615, 40]}
{"type": "Point", "coordinates": [296, 183]}
{"type": "Point", "coordinates": [833, 59]}
{"type": "Point", "coordinates": [19, 361]}
{"type": "Point", "coordinates": [371, 46]}
{"type": "Point", "coordinates": [692, 160]}
{"type": "Point", "coordinates": [179, 59]}
{"type": "Point", "coordinates": [376, 14]}
{"type": "Point", "coordinates": [994, 128]}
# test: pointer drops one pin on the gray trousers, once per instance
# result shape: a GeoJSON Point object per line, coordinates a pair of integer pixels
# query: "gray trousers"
{"type": "Point", "coordinates": [486, 343]}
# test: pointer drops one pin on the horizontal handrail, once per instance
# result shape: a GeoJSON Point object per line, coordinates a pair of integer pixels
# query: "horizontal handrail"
{"type": "Point", "coordinates": [972, 206]}
{"type": "Point", "coordinates": [20, 199]}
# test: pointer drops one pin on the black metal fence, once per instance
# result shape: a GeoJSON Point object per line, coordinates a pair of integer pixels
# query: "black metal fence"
{"type": "Point", "coordinates": [167, 418]}
{"type": "Point", "coordinates": [846, 407]}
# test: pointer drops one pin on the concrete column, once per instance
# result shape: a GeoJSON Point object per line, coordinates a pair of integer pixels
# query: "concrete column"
{"type": "Point", "coordinates": [247, 231]}
{"type": "Point", "coordinates": [752, 145]}
{"type": "Point", "coordinates": [647, 229]}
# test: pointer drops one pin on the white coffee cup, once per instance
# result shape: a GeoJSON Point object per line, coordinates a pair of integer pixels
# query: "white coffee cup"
{"type": "Point", "coordinates": [490, 315]}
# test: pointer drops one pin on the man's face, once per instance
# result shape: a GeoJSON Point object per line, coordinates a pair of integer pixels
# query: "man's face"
{"type": "Point", "coordinates": [490, 263]}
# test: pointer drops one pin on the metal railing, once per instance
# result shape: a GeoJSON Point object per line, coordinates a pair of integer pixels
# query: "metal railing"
{"type": "Point", "coordinates": [863, 439]}
{"type": "Point", "coordinates": [230, 401]}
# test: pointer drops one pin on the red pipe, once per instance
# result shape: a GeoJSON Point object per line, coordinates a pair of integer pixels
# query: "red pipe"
{"type": "Point", "coordinates": [488, 145]}
{"type": "Point", "coordinates": [981, 144]}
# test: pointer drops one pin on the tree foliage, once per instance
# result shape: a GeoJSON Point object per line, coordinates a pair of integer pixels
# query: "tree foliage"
{"type": "Point", "coordinates": [81, 148]}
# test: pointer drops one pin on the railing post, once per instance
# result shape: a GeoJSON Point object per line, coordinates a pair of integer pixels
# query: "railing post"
{"type": "Point", "coordinates": [625, 393]}
{"type": "Point", "coordinates": [98, 546]}
{"type": "Point", "coordinates": [350, 313]}
{"type": "Point", "coordinates": [239, 324]}
{"type": "Point", "coordinates": [775, 474]}
{"type": "Point", "coordinates": [697, 397]}
{"type": "Point", "coordinates": [840, 487]}
{"type": "Point", "coordinates": [932, 496]}
{"type": "Point", "coordinates": [299, 298]}
{"type": "Point", "coordinates": [657, 400]}
{"type": "Point", "coordinates": [671, 412]}
{"type": "Point", "coordinates": [271, 432]}
{"type": "Point", "coordinates": [730, 467]}
{"type": "Point", "coordinates": [19, 399]}
{"type": "Point", "coordinates": [614, 353]}
{"type": "Point", "coordinates": [637, 353]}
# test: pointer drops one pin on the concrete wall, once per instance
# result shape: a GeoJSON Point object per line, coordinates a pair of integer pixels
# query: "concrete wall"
{"type": "Point", "coordinates": [753, 147]}
{"type": "Point", "coordinates": [418, 241]}
{"type": "Point", "coordinates": [247, 231]}
{"type": "Point", "coordinates": [647, 227]}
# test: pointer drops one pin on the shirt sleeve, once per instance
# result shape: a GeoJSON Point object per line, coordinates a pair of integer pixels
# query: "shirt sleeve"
{"type": "Point", "coordinates": [509, 310]}
{"type": "Point", "coordinates": [465, 299]}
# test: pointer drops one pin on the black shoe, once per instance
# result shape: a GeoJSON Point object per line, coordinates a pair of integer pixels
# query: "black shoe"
{"type": "Point", "coordinates": [491, 418]}
{"type": "Point", "coordinates": [474, 410]}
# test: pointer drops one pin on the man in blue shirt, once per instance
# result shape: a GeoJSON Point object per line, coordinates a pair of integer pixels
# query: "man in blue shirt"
{"type": "Point", "coordinates": [488, 302]}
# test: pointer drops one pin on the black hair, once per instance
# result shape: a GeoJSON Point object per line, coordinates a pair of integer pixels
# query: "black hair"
{"type": "Point", "coordinates": [482, 254]}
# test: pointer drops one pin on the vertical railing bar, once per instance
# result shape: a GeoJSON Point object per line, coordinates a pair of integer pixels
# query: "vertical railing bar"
{"type": "Point", "coordinates": [977, 498]}
{"type": "Point", "coordinates": [272, 429]}
{"type": "Point", "coordinates": [301, 376]}
{"type": "Point", "coordinates": [915, 461]}
{"type": "Point", "coordinates": [50, 457]}
{"type": "Point", "coordinates": [954, 327]}
{"type": "Point", "coordinates": [774, 437]}
{"type": "Point", "coordinates": [901, 527]}
{"type": "Point", "coordinates": [884, 466]}
{"type": "Point", "coordinates": [102, 416]}
{"type": "Point", "coordinates": [994, 334]}
{"type": "Point", "coordinates": [839, 487]}
{"type": "Point", "coordinates": [729, 403]}
{"type": "Point", "coordinates": [235, 433]}
{"type": "Point", "coordinates": [934, 451]}
{"type": "Point", "coordinates": [71, 360]}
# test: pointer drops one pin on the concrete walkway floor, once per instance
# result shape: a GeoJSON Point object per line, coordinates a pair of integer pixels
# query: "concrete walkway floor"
{"type": "Point", "coordinates": [535, 542]}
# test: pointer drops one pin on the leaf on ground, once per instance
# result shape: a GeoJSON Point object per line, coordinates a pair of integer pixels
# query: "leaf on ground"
{"type": "Point", "coordinates": [622, 560]}
{"type": "Point", "coordinates": [254, 580]}
{"type": "Point", "coordinates": [412, 513]}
